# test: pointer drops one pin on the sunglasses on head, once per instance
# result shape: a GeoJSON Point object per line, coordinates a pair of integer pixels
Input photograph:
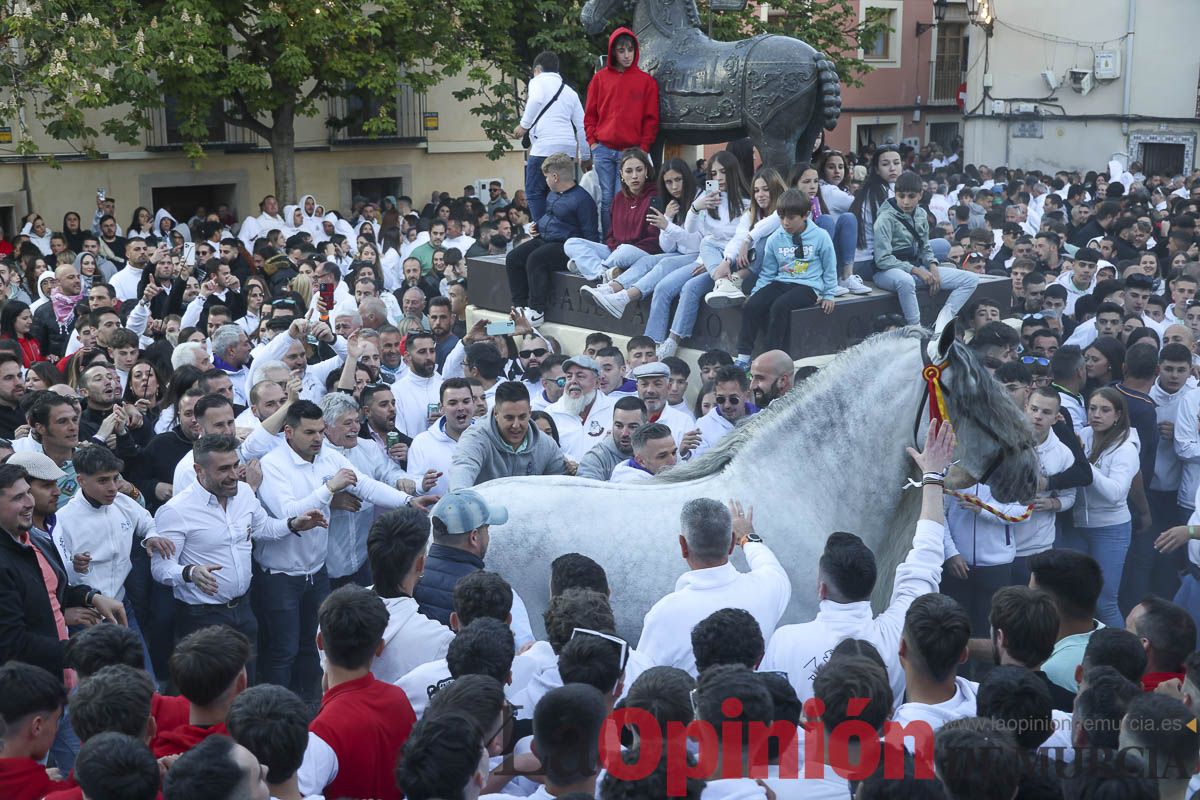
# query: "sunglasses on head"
{"type": "Point", "coordinates": [608, 637]}
{"type": "Point", "coordinates": [536, 352]}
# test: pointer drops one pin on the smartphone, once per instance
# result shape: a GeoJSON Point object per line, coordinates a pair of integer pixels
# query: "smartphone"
{"type": "Point", "coordinates": [712, 187]}
{"type": "Point", "coordinates": [500, 328]}
{"type": "Point", "coordinates": [432, 409]}
{"type": "Point", "coordinates": [100, 194]}
{"type": "Point", "coordinates": [326, 291]}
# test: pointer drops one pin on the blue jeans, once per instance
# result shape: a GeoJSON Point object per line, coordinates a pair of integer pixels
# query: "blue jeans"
{"type": "Point", "coordinates": [960, 283]}
{"type": "Point", "coordinates": [65, 747]}
{"type": "Point", "coordinates": [1108, 545]}
{"type": "Point", "coordinates": [536, 189]}
{"type": "Point", "coordinates": [646, 272]}
{"type": "Point", "coordinates": [844, 232]}
{"type": "Point", "coordinates": [593, 258]}
{"type": "Point", "coordinates": [605, 163]}
{"type": "Point", "coordinates": [689, 288]}
{"type": "Point", "coordinates": [287, 621]}
{"type": "Point", "coordinates": [1188, 596]}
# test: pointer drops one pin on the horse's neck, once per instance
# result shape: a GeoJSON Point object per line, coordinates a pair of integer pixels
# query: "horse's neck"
{"type": "Point", "coordinates": [656, 21]}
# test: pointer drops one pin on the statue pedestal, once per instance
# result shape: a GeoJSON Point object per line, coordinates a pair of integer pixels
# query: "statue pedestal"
{"type": "Point", "coordinates": [812, 332]}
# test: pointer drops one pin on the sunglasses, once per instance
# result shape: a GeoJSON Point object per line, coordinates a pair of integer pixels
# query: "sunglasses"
{"type": "Point", "coordinates": [1039, 360]}
{"type": "Point", "coordinates": [732, 400]}
{"type": "Point", "coordinates": [536, 352]}
{"type": "Point", "coordinates": [560, 381]}
{"type": "Point", "coordinates": [608, 637]}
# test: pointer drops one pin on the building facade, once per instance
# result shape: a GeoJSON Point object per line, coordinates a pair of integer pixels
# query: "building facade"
{"type": "Point", "coordinates": [437, 146]}
{"type": "Point", "coordinates": [1074, 83]}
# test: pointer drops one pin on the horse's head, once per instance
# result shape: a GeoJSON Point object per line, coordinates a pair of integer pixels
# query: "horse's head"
{"type": "Point", "coordinates": [995, 442]}
{"type": "Point", "coordinates": [596, 14]}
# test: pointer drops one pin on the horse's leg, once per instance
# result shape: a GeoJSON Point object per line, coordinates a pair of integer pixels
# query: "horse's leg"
{"type": "Point", "coordinates": [775, 152]}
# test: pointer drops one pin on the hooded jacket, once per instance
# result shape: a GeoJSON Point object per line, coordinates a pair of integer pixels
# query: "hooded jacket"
{"type": "Point", "coordinates": [629, 225]}
{"type": "Point", "coordinates": [895, 245]}
{"type": "Point", "coordinates": [483, 454]}
{"type": "Point", "coordinates": [622, 107]}
{"type": "Point", "coordinates": [410, 640]}
{"type": "Point", "coordinates": [175, 226]}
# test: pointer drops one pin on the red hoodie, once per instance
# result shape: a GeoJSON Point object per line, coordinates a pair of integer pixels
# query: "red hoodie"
{"type": "Point", "coordinates": [180, 740]}
{"type": "Point", "coordinates": [622, 107]}
{"type": "Point", "coordinates": [629, 225]}
{"type": "Point", "coordinates": [26, 779]}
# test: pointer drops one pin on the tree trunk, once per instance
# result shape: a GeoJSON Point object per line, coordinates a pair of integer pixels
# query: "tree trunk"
{"type": "Point", "coordinates": [283, 154]}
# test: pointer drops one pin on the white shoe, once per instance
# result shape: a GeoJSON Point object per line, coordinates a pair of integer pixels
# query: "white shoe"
{"type": "Point", "coordinates": [611, 274]}
{"type": "Point", "coordinates": [667, 348]}
{"type": "Point", "coordinates": [614, 303]}
{"type": "Point", "coordinates": [726, 294]}
{"type": "Point", "coordinates": [603, 288]}
{"type": "Point", "coordinates": [572, 267]}
{"type": "Point", "coordinates": [536, 318]}
{"type": "Point", "coordinates": [854, 284]}
{"type": "Point", "coordinates": [839, 290]}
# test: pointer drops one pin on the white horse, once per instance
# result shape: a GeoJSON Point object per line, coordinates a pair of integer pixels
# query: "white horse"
{"type": "Point", "coordinates": [828, 456]}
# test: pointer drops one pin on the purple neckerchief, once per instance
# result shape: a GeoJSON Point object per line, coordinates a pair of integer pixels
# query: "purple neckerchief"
{"type": "Point", "coordinates": [222, 364]}
{"type": "Point", "coordinates": [633, 462]}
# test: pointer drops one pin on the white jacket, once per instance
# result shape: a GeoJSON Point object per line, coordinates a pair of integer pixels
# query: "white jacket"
{"type": "Point", "coordinates": [577, 436]}
{"type": "Point", "coordinates": [983, 539]}
{"type": "Point", "coordinates": [421, 680]}
{"type": "Point", "coordinates": [410, 640]}
{"type": "Point", "coordinates": [1037, 533]}
{"type": "Point", "coordinates": [1187, 447]}
{"type": "Point", "coordinates": [626, 472]}
{"type": "Point", "coordinates": [107, 533]}
{"type": "Point", "coordinates": [1105, 502]}
{"type": "Point", "coordinates": [719, 231]}
{"type": "Point", "coordinates": [800, 650]}
{"type": "Point", "coordinates": [432, 449]}
{"type": "Point", "coordinates": [713, 427]}
{"type": "Point", "coordinates": [837, 200]}
{"type": "Point", "coordinates": [764, 592]}
{"type": "Point", "coordinates": [674, 239]}
{"type": "Point", "coordinates": [560, 130]}
{"type": "Point", "coordinates": [751, 235]}
{"type": "Point", "coordinates": [1168, 471]}
{"type": "Point", "coordinates": [961, 705]}
{"type": "Point", "coordinates": [414, 395]}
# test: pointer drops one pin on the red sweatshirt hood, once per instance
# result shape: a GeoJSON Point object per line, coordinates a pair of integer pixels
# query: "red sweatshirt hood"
{"type": "Point", "coordinates": [612, 49]}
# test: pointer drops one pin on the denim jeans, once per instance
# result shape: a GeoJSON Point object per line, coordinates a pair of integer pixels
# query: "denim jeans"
{"type": "Point", "coordinates": [190, 618]}
{"type": "Point", "coordinates": [65, 747]}
{"type": "Point", "coordinates": [975, 593]}
{"type": "Point", "coordinates": [1188, 596]}
{"type": "Point", "coordinates": [1108, 545]}
{"type": "Point", "coordinates": [593, 258]}
{"type": "Point", "coordinates": [960, 283]}
{"type": "Point", "coordinates": [604, 162]}
{"type": "Point", "coordinates": [646, 272]}
{"type": "Point", "coordinates": [844, 232]}
{"type": "Point", "coordinates": [690, 289]}
{"type": "Point", "coordinates": [536, 189]}
{"type": "Point", "coordinates": [287, 622]}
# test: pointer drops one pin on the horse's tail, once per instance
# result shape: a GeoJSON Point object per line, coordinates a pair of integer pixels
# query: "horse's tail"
{"type": "Point", "coordinates": [831, 93]}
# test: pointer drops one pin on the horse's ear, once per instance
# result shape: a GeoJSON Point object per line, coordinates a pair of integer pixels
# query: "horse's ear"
{"type": "Point", "coordinates": [944, 342]}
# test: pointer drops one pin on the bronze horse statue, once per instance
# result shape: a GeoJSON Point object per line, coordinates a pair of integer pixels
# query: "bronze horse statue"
{"type": "Point", "coordinates": [777, 90]}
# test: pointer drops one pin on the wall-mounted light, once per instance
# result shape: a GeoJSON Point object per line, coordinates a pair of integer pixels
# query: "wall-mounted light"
{"type": "Point", "coordinates": [939, 14]}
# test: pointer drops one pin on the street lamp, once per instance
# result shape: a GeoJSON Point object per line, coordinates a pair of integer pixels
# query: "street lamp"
{"type": "Point", "coordinates": [939, 14]}
{"type": "Point", "coordinates": [980, 13]}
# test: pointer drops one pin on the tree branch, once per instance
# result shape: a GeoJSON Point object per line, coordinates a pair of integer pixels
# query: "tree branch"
{"type": "Point", "coordinates": [247, 120]}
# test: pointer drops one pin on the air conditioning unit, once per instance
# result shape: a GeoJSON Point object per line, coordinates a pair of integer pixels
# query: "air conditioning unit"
{"type": "Point", "coordinates": [1081, 80]}
{"type": "Point", "coordinates": [481, 185]}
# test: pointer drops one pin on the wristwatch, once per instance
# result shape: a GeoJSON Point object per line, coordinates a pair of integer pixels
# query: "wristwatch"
{"type": "Point", "coordinates": [752, 537]}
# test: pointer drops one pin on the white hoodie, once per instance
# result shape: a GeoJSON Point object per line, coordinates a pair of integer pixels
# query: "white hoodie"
{"type": "Point", "coordinates": [1187, 448]}
{"type": "Point", "coordinates": [961, 705]}
{"type": "Point", "coordinates": [410, 640]}
{"type": "Point", "coordinates": [1168, 471]}
{"type": "Point", "coordinates": [1037, 533]}
{"type": "Point", "coordinates": [1106, 501]}
{"type": "Point", "coordinates": [162, 214]}
{"type": "Point", "coordinates": [43, 241]}
{"type": "Point", "coordinates": [432, 448]}
{"type": "Point", "coordinates": [982, 538]}
{"type": "Point", "coordinates": [414, 395]}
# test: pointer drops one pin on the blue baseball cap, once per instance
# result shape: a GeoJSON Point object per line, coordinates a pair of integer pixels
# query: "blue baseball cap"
{"type": "Point", "coordinates": [464, 510]}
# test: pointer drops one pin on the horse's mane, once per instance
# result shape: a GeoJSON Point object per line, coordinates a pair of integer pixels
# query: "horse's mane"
{"type": "Point", "coordinates": [848, 362]}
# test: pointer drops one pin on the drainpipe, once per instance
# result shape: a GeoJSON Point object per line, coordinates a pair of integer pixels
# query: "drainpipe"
{"type": "Point", "coordinates": [1126, 74]}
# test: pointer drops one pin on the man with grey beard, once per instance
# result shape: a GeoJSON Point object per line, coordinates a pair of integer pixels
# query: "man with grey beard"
{"type": "Point", "coordinates": [583, 414]}
{"type": "Point", "coordinates": [652, 381]}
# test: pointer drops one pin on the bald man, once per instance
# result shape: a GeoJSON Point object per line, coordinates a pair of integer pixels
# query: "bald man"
{"type": "Point", "coordinates": [52, 337]}
{"type": "Point", "coordinates": [1179, 334]}
{"type": "Point", "coordinates": [771, 377]}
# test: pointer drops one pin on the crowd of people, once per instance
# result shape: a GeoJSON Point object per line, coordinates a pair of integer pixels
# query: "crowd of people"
{"type": "Point", "coordinates": [242, 556]}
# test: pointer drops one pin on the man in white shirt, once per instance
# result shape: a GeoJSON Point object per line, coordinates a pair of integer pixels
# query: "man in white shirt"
{"type": "Point", "coordinates": [212, 525]}
{"type": "Point", "coordinates": [288, 347]}
{"type": "Point", "coordinates": [933, 644]}
{"type": "Point", "coordinates": [214, 414]}
{"type": "Point", "coordinates": [416, 391]}
{"type": "Point", "coordinates": [1174, 382]}
{"type": "Point", "coordinates": [553, 118]}
{"type": "Point", "coordinates": [231, 354]}
{"type": "Point", "coordinates": [652, 380]}
{"type": "Point", "coordinates": [301, 477]}
{"type": "Point", "coordinates": [433, 448]}
{"type": "Point", "coordinates": [268, 220]}
{"type": "Point", "coordinates": [96, 529]}
{"type": "Point", "coordinates": [846, 579]}
{"type": "Point", "coordinates": [583, 414]}
{"type": "Point", "coordinates": [125, 282]}
{"type": "Point", "coordinates": [732, 389]}
{"type": "Point", "coordinates": [710, 531]}
{"type": "Point", "coordinates": [1036, 533]}
{"type": "Point", "coordinates": [653, 451]}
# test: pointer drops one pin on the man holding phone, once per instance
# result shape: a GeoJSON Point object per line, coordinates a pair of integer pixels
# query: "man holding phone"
{"type": "Point", "coordinates": [417, 390]}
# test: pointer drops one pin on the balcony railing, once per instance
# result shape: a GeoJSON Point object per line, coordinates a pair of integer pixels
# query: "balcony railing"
{"type": "Point", "coordinates": [948, 66]}
{"type": "Point", "coordinates": [349, 113]}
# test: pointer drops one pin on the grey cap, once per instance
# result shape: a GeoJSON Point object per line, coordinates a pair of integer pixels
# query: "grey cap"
{"type": "Point", "coordinates": [587, 362]}
{"type": "Point", "coordinates": [464, 510]}
{"type": "Point", "coordinates": [652, 369]}
{"type": "Point", "coordinates": [37, 465]}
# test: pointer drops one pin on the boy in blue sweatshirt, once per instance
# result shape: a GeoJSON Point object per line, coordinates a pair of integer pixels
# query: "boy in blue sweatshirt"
{"type": "Point", "coordinates": [799, 270]}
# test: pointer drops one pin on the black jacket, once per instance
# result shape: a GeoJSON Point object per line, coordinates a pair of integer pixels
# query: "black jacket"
{"type": "Point", "coordinates": [28, 631]}
{"type": "Point", "coordinates": [157, 463]}
{"type": "Point", "coordinates": [10, 420]}
{"type": "Point", "coordinates": [444, 565]}
{"type": "Point", "coordinates": [51, 336]}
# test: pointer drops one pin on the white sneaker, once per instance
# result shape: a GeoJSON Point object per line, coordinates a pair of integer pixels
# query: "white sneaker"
{"type": "Point", "coordinates": [536, 318]}
{"type": "Point", "coordinates": [614, 303]}
{"type": "Point", "coordinates": [840, 290]}
{"type": "Point", "coordinates": [854, 284]}
{"type": "Point", "coordinates": [726, 294]}
{"type": "Point", "coordinates": [611, 274]}
{"type": "Point", "coordinates": [667, 348]}
{"type": "Point", "coordinates": [572, 267]}
{"type": "Point", "coordinates": [603, 288]}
